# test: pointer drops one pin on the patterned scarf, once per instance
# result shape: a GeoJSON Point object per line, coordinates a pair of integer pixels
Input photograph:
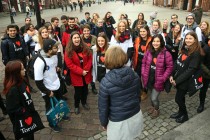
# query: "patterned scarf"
{"type": "Point", "coordinates": [124, 36]}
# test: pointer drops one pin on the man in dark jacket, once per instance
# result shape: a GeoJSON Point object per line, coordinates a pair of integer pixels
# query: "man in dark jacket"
{"type": "Point", "coordinates": [87, 20]}
{"type": "Point", "coordinates": [174, 21]}
{"type": "Point", "coordinates": [13, 46]}
{"type": "Point", "coordinates": [27, 21]}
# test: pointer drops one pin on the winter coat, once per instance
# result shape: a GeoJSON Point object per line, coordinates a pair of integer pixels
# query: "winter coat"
{"type": "Point", "coordinates": [136, 50]}
{"type": "Point", "coordinates": [205, 66]}
{"type": "Point", "coordinates": [183, 71]}
{"type": "Point", "coordinates": [10, 51]}
{"type": "Point", "coordinates": [164, 68]}
{"type": "Point", "coordinates": [95, 64]}
{"type": "Point", "coordinates": [198, 14]}
{"type": "Point", "coordinates": [93, 40]}
{"type": "Point", "coordinates": [118, 97]}
{"type": "Point", "coordinates": [16, 101]}
{"type": "Point", "coordinates": [194, 28]}
{"type": "Point", "coordinates": [95, 30]}
{"type": "Point", "coordinates": [76, 70]}
{"type": "Point", "coordinates": [136, 21]}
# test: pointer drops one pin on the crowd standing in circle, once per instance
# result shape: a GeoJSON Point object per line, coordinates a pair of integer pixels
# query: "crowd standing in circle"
{"type": "Point", "coordinates": [131, 62]}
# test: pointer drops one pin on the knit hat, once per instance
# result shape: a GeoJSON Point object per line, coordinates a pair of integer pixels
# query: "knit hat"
{"type": "Point", "coordinates": [48, 44]}
{"type": "Point", "coordinates": [153, 15]}
{"type": "Point", "coordinates": [191, 14]}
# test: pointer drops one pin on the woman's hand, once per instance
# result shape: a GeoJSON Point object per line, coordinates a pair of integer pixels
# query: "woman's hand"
{"type": "Point", "coordinates": [84, 72]}
{"type": "Point", "coordinates": [104, 128]}
{"type": "Point", "coordinates": [171, 79]}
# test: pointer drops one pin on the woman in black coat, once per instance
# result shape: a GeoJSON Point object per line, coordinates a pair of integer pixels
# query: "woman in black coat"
{"type": "Point", "coordinates": [17, 92]}
{"type": "Point", "coordinates": [187, 64]}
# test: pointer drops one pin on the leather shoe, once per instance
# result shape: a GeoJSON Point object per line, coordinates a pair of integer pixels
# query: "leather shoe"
{"type": "Point", "coordinates": [175, 115]}
{"type": "Point", "coordinates": [182, 119]}
{"type": "Point", "coordinates": [200, 109]}
{"type": "Point", "coordinates": [94, 91]}
{"type": "Point", "coordinates": [1, 119]}
{"type": "Point", "coordinates": [86, 107]}
{"type": "Point", "coordinates": [76, 111]}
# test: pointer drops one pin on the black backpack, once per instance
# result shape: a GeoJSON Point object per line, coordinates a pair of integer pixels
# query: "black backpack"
{"type": "Point", "coordinates": [31, 62]}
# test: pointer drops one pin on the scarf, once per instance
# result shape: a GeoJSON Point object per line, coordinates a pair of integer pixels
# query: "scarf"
{"type": "Point", "coordinates": [124, 36]}
{"type": "Point", "coordinates": [155, 32]}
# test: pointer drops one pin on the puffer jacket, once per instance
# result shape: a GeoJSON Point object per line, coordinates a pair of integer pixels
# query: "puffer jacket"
{"type": "Point", "coordinates": [164, 68]}
{"type": "Point", "coordinates": [118, 95]}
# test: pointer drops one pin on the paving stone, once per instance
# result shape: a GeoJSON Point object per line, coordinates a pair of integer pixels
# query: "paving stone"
{"type": "Point", "coordinates": [155, 128]}
{"type": "Point", "coordinates": [98, 136]}
{"type": "Point", "coordinates": [103, 138]}
{"type": "Point", "coordinates": [142, 136]}
{"type": "Point", "coordinates": [173, 123]}
{"type": "Point", "coordinates": [159, 132]}
{"type": "Point", "coordinates": [151, 131]}
{"type": "Point", "coordinates": [104, 133]}
{"type": "Point", "coordinates": [164, 124]}
{"type": "Point", "coordinates": [91, 138]}
{"type": "Point", "coordinates": [158, 125]}
{"type": "Point", "coordinates": [146, 133]}
{"type": "Point", "coordinates": [163, 129]}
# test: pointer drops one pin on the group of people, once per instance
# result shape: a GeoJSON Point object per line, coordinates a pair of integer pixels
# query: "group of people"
{"type": "Point", "coordinates": [130, 62]}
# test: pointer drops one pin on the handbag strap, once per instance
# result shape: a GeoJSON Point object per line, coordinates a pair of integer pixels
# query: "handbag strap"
{"type": "Point", "coordinates": [52, 101]}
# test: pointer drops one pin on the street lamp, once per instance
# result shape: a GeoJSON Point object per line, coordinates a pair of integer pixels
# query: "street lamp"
{"type": "Point", "coordinates": [11, 16]}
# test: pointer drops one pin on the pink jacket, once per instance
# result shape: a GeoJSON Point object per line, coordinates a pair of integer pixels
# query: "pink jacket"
{"type": "Point", "coordinates": [164, 68]}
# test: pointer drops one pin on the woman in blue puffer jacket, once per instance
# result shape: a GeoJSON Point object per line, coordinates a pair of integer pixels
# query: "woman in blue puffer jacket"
{"type": "Point", "coordinates": [119, 104]}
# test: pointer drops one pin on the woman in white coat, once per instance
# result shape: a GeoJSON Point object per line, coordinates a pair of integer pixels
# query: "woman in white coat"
{"type": "Point", "coordinates": [122, 37]}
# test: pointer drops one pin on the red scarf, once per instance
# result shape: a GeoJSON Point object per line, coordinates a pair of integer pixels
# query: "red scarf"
{"type": "Point", "coordinates": [124, 36]}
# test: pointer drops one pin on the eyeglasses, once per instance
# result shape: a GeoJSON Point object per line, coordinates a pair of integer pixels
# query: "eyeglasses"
{"type": "Point", "coordinates": [190, 18]}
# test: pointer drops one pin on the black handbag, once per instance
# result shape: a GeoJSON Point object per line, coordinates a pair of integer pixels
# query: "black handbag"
{"type": "Point", "coordinates": [28, 120]}
{"type": "Point", "coordinates": [26, 124]}
{"type": "Point", "coordinates": [195, 83]}
{"type": "Point", "coordinates": [167, 84]}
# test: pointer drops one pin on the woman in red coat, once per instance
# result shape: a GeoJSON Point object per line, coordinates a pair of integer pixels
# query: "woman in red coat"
{"type": "Point", "coordinates": [78, 59]}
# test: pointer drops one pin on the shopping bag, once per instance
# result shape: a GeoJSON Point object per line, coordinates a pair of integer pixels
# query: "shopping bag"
{"type": "Point", "coordinates": [195, 83]}
{"type": "Point", "coordinates": [27, 123]}
{"type": "Point", "coordinates": [57, 111]}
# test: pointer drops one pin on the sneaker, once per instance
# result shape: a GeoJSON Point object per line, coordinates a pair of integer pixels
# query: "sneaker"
{"type": "Point", "coordinates": [76, 111]}
{"type": "Point", "coordinates": [155, 114]}
{"type": "Point", "coordinates": [86, 107]}
{"type": "Point", "coordinates": [94, 90]}
{"type": "Point", "coordinates": [55, 128]}
{"type": "Point", "coordinates": [150, 110]}
{"type": "Point", "coordinates": [143, 96]}
{"type": "Point", "coordinates": [65, 118]}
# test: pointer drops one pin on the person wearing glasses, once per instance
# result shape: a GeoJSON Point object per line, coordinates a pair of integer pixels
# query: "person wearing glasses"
{"type": "Point", "coordinates": [191, 26]}
{"type": "Point", "coordinates": [174, 21]}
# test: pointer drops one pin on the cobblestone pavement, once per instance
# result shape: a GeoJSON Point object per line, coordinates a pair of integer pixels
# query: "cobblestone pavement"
{"type": "Point", "coordinates": [86, 125]}
{"type": "Point", "coordinates": [155, 128]}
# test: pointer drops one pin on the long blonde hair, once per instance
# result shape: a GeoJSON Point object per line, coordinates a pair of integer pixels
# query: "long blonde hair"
{"type": "Point", "coordinates": [118, 34]}
{"type": "Point", "coordinates": [207, 31]}
{"type": "Point", "coordinates": [40, 39]}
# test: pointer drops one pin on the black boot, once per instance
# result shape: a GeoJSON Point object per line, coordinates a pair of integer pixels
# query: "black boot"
{"type": "Point", "coordinates": [200, 108]}
{"type": "Point", "coordinates": [176, 115]}
{"type": "Point", "coordinates": [94, 90]}
{"type": "Point", "coordinates": [182, 119]}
